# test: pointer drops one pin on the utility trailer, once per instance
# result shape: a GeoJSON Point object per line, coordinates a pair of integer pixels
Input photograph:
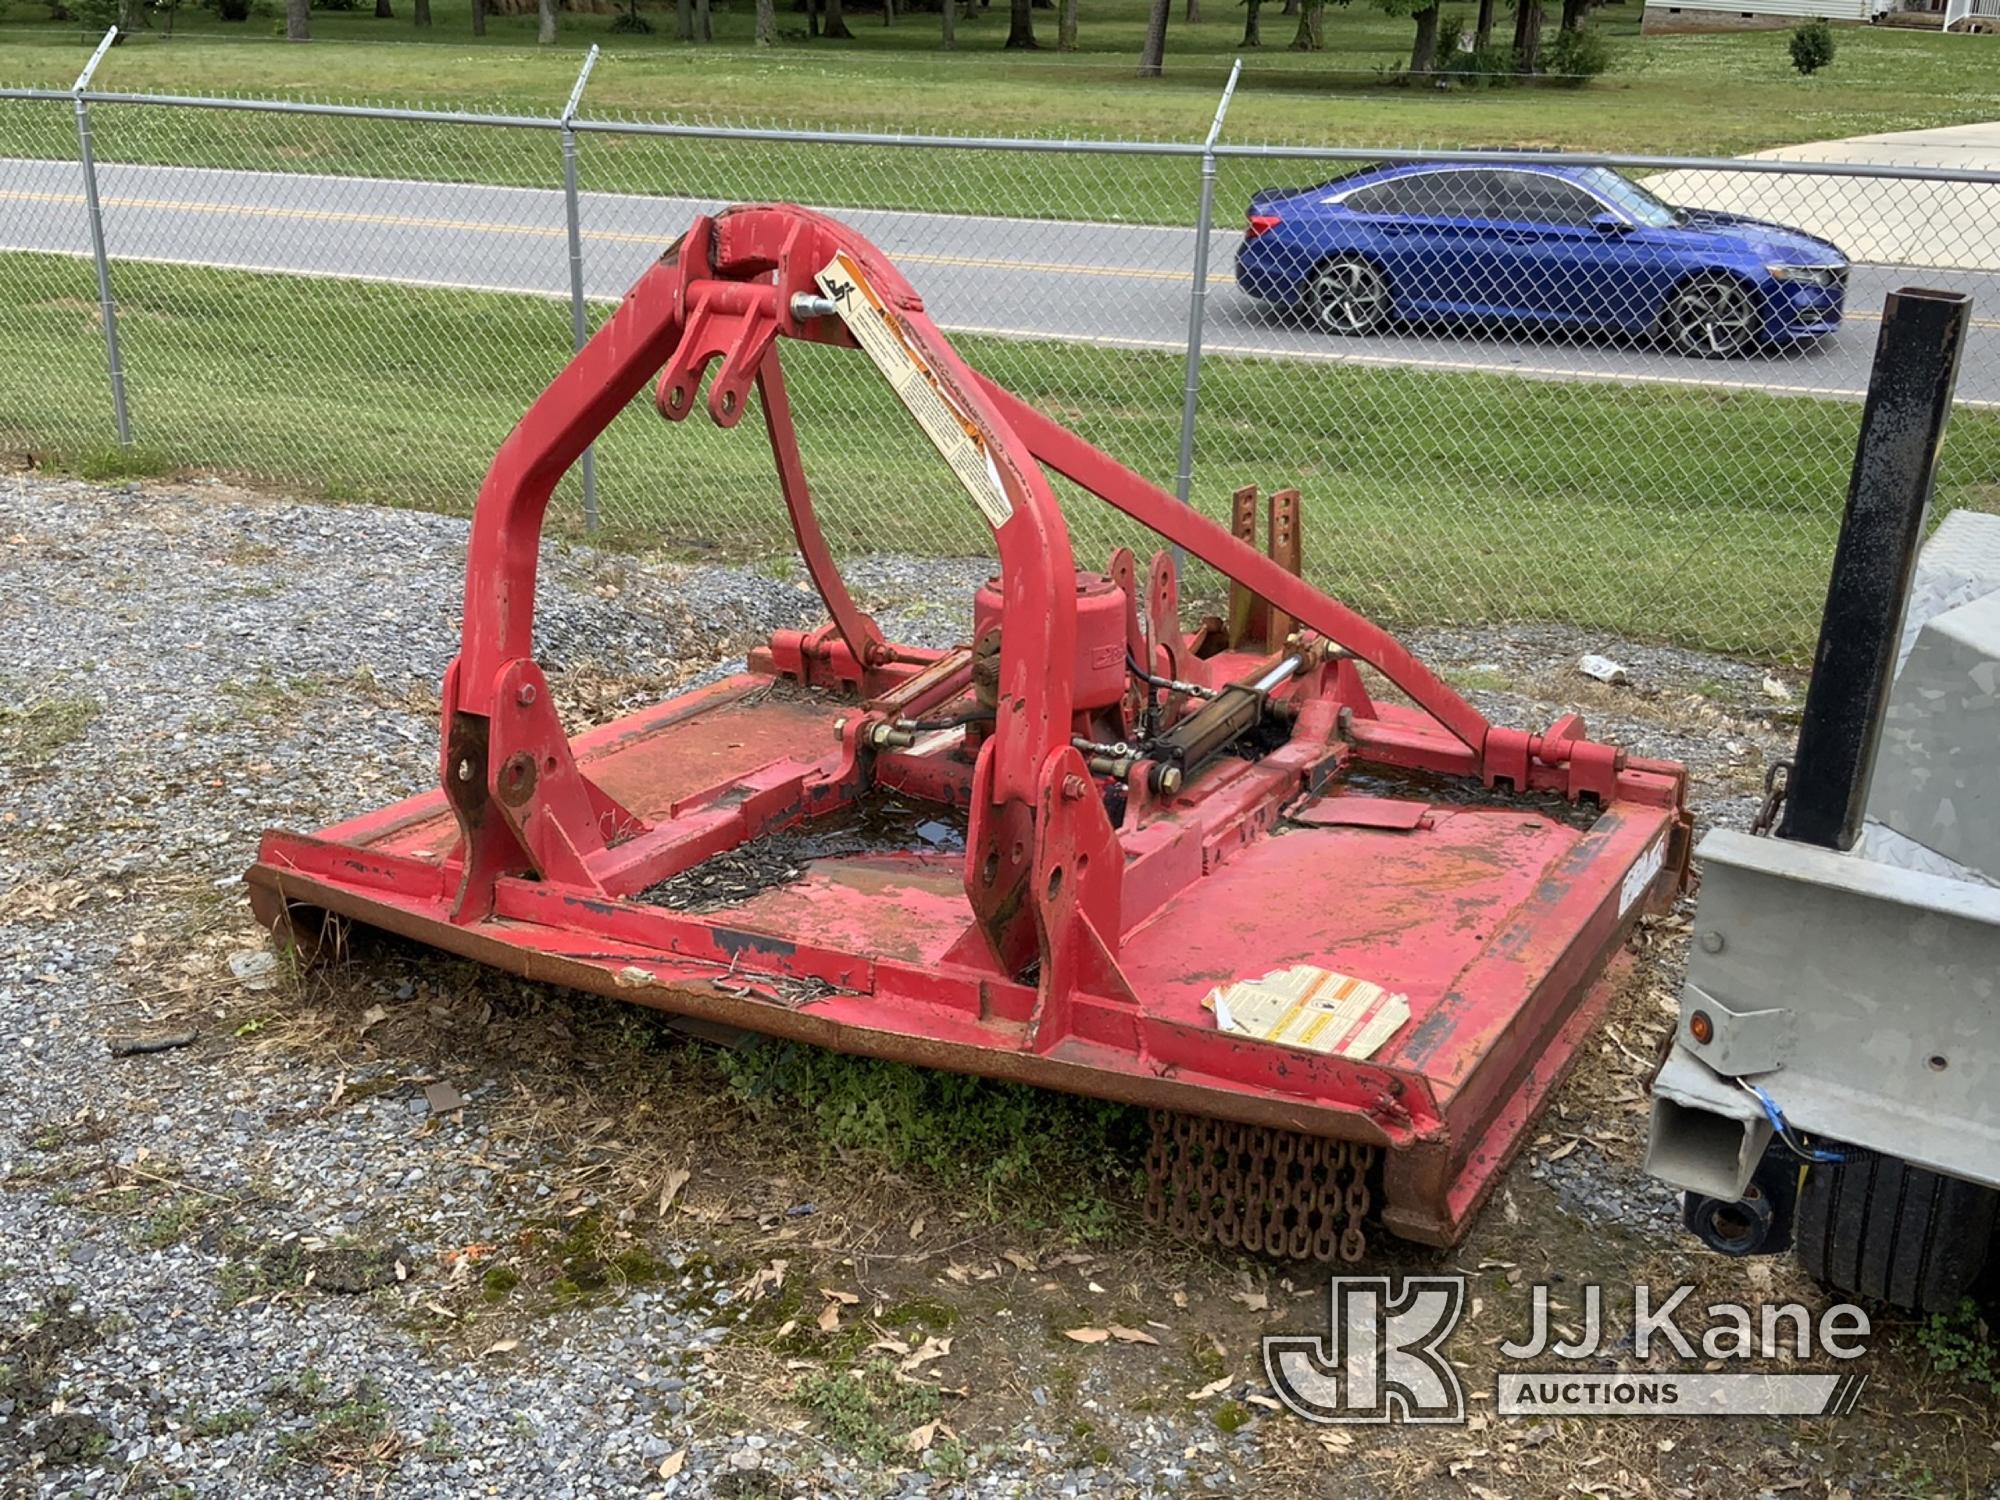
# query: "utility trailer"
{"type": "Point", "coordinates": [1834, 1081]}
{"type": "Point", "coordinates": [1266, 875]}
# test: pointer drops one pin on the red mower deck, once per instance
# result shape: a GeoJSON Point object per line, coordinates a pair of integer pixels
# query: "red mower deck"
{"type": "Point", "coordinates": [1038, 856]}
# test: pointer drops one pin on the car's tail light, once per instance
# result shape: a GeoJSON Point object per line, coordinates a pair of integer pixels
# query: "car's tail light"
{"type": "Point", "coordinates": [1262, 223]}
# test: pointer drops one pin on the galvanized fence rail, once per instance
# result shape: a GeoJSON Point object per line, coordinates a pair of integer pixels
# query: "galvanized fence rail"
{"type": "Point", "coordinates": [358, 301]}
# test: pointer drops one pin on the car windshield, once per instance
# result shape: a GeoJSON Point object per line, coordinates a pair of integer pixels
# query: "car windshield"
{"type": "Point", "coordinates": [1633, 201]}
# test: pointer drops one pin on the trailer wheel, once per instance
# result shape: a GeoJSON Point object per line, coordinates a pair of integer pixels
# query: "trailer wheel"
{"type": "Point", "coordinates": [1879, 1227]}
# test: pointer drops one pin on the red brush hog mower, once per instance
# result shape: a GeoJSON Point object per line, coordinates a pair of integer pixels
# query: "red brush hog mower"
{"type": "Point", "coordinates": [1342, 947]}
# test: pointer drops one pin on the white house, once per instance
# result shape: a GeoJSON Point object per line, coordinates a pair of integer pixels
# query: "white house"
{"type": "Point", "coordinates": [1718, 15]}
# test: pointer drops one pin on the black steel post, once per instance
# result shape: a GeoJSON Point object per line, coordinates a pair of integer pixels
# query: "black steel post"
{"type": "Point", "coordinates": [1888, 502]}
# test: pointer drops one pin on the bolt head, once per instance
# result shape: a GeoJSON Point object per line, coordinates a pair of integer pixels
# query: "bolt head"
{"type": "Point", "coordinates": [839, 730]}
{"type": "Point", "coordinates": [526, 695]}
{"type": "Point", "coordinates": [1170, 781]}
{"type": "Point", "coordinates": [1073, 788]}
{"type": "Point", "coordinates": [1711, 941]}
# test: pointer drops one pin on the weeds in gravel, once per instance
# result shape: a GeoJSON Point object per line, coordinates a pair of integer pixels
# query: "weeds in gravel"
{"type": "Point", "coordinates": [1961, 1343]}
{"type": "Point", "coordinates": [215, 1424]}
{"type": "Point", "coordinates": [31, 734]}
{"type": "Point", "coordinates": [352, 1433]}
{"type": "Point", "coordinates": [1019, 1152]}
{"type": "Point", "coordinates": [870, 1411]}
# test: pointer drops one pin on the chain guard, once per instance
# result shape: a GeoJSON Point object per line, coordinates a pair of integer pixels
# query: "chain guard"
{"type": "Point", "coordinates": [1271, 1192]}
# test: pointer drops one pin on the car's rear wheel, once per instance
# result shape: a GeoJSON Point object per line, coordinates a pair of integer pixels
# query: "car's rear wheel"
{"type": "Point", "coordinates": [1712, 317]}
{"type": "Point", "coordinates": [1348, 296]}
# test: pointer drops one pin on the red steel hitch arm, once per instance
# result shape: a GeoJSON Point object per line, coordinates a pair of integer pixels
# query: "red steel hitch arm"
{"type": "Point", "coordinates": [727, 289]}
{"type": "Point", "coordinates": [1152, 507]}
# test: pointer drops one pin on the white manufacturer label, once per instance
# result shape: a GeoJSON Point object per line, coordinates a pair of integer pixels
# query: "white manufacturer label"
{"type": "Point", "coordinates": [1640, 877]}
{"type": "Point", "coordinates": [952, 432]}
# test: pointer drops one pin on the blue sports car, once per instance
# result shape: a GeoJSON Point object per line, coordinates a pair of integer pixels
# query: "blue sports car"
{"type": "Point", "coordinates": [1555, 247]}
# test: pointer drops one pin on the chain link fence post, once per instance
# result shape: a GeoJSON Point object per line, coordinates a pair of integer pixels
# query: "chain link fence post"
{"type": "Point", "coordinates": [1198, 298]}
{"type": "Point", "coordinates": [579, 323]}
{"type": "Point", "coordinates": [96, 213]}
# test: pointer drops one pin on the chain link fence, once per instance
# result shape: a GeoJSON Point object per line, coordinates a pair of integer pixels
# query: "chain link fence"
{"type": "Point", "coordinates": [1616, 392]}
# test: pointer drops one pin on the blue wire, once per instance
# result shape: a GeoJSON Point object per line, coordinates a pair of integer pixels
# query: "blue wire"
{"type": "Point", "coordinates": [1797, 1148]}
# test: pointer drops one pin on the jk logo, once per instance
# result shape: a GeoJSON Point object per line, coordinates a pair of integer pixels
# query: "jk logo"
{"type": "Point", "coordinates": [1382, 1358]}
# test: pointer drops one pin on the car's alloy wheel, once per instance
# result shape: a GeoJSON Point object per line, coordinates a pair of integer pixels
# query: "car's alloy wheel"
{"type": "Point", "coordinates": [1712, 318]}
{"type": "Point", "coordinates": [1348, 296]}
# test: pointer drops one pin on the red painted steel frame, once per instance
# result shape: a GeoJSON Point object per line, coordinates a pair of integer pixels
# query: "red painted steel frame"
{"type": "Point", "coordinates": [1058, 949]}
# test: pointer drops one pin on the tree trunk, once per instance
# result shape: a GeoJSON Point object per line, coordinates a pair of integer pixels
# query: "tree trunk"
{"type": "Point", "coordinates": [836, 23]}
{"type": "Point", "coordinates": [767, 23]}
{"type": "Point", "coordinates": [1482, 33]}
{"type": "Point", "coordinates": [888, 12]}
{"type": "Point", "coordinates": [422, 11]}
{"type": "Point", "coordinates": [1574, 12]}
{"type": "Point", "coordinates": [1527, 35]}
{"type": "Point", "coordinates": [1066, 27]}
{"type": "Point", "coordinates": [704, 23]}
{"type": "Point", "coordinates": [479, 17]}
{"type": "Point", "coordinates": [1291, 7]}
{"type": "Point", "coordinates": [1193, 13]}
{"type": "Point", "coordinates": [298, 20]}
{"type": "Point", "coordinates": [382, 11]}
{"type": "Point", "coordinates": [131, 16]}
{"type": "Point", "coordinates": [950, 13]}
{"type": "Point", "coordinates": [1021, 25]}
{"type": "Point", "coordinates": [545, 21]}
{"type": "Point", "coordinates": [1253, 34]}
{"type": "Point", "coordinates": [1424, 51]}
{"type": "Point", "coordinates": [1153, 55]}
{"type": "Point", "coordinates": [1311, 35]}
{"type": "Point", "coordinates": [683, 20]}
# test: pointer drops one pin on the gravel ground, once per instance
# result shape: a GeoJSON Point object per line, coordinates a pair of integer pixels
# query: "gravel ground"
{"type": "Point", "coordinates": [214, 1283]}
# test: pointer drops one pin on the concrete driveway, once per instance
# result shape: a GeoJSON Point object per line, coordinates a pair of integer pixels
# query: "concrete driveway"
{"type": "Point", "coordinates": [1886, 221]}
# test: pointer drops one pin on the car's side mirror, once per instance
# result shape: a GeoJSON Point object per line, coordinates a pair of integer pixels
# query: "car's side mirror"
{"type": "Point", "coordinates": [1609, 224]}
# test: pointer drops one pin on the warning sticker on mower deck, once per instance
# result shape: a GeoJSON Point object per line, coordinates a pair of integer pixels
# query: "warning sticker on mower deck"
{"type": "Point", "coordinates": [952, 432]}
{"type": "Point", "coordinates": [1639, 879]}
{"type": "Point", "coordinates": [1314, 1008]}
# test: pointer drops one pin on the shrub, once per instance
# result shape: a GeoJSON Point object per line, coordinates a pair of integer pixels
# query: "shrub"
{"type": "Point", "coordinates": [1811, 45]}
{"type": "Point", "coordinates": [1483, 67]}
{"type": "Point", "coordinates": [1576, 57]}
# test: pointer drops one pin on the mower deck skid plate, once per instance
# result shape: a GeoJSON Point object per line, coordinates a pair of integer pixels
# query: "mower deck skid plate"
{"type": "Point", "coordinates": [1016, 871]}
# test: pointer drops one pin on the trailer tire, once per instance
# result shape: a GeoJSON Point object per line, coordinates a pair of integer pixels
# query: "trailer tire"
{"type": "Point", "coordinates": [1879, 1227]}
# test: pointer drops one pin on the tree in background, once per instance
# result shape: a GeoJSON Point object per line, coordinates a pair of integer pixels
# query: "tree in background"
{"type": "Point", "coordinates": [479, 17]}
{"type": "Point", "coordinates": [1021, 24]}
{"type": "Point", "coordinates": [1192, 14]}
{"type": "Point", "coordinates": [949, 12]}
{"type": "Point", "coordinates": [1424, 49]}
{"type": "Point", "coordinates": [1066, 27]}
{"type": "Point", "coordinates": [1253, 35]}
{"type": "Point", "coordinates": [836, 23]}
{"type": "Point", "coordinates": [767, 23]}
{"type": "Point", "coordinates": [1153, 55]}
{"type": "Point", "coordinates": [545, 21]}
{"type": "Point", "coordinates": [298, 20]}
{"type": "Point", "coordinates": [1527, 35]}
{"type": "Point", "coordinates": [1311, 35]}
{"type": "Point", "coordinates": [1482, 30]}
{"type": "Point", "coordinates": [382, 11]}
{"type": "Point", "coordinates": [421, 10]}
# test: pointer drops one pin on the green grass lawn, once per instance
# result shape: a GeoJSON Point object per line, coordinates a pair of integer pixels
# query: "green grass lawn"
{"type": "Point", "coordinates": [1702, 517]}
{"type": "Point", "coordinates": [1698, 94]}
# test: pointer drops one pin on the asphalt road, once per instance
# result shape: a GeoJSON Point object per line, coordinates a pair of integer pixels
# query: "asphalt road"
{"type": "Point", "coordinates": [1112, 284]}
